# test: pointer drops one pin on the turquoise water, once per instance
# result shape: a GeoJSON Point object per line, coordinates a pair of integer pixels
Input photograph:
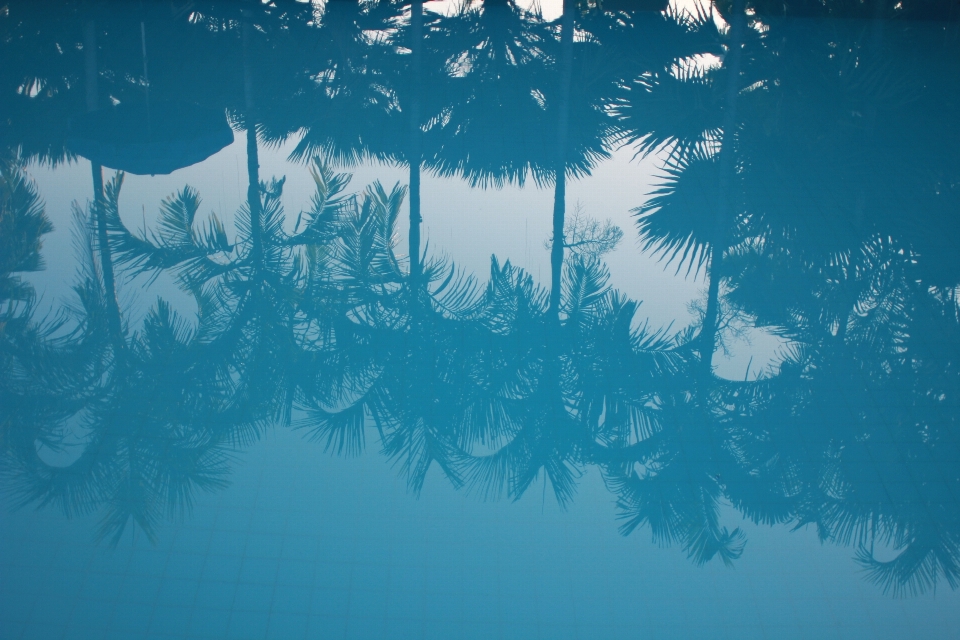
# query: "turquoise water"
{"type": "Point", "coordinates": [496, 320]}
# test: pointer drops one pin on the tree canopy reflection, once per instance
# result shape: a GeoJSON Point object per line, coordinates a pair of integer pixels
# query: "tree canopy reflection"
{"type": "Point", "coordinates": [789, 176]}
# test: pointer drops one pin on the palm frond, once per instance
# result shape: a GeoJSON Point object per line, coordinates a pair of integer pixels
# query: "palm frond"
{"type": "Point", "coordinates": [457, 294]}
{"type": "Point", "coordinates": [342, 432]}
{"type": "Point", "coordinates": [584, 287]}
{"type": "Point", "coordinates": [681, 219]}
{"type": "Point", "coordinates": [23, 220]}
{"type": "Point", "coordinates": [916, 569]}
{"type": "Point", "coordinates": [178, 243]}
{"type": "Point", "coordinates": [416, 447]}
{"type": "Point", "coordinates": [326, 203]}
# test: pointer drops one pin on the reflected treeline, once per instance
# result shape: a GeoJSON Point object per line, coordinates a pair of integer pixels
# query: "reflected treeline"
{"type": "Point", "coordinates": [807, 169]}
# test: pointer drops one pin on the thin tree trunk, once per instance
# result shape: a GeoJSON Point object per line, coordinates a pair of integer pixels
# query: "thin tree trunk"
{"type": "Point", "coordinates": [253, 192]}
{"type": "Point", "coordinates": [103, 242]}
{"type": "Point", "coordinates": [415, 157]}
{"type": "Point", "coordinates": [106, 260]}
{"type": "Point", "coordinates": [253, 156]}
{"type": "Point", "coordinates": [560, 171]}
{"type": "Point", "coordinates": [711, 319]}
{"type": "Point", "coordinates": [556, 248]}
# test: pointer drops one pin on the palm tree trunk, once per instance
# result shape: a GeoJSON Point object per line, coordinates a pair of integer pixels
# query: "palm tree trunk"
{"type": "Point", "coordinates": [106, 260]}
{"type": "Point", "coordinates": [415, 158]}
{"type": "Point", "coordinates": [103, 244]}
{"type": "Point", "coordinates": [711, 319]}
{"type": "Point", "coordinates": [556, 248]}
{"type": "Point", "coordinates": [253, 191]}
{"type": "Point", "coordinates": [253, 156]}
{"type": "Point", "coordinates": [560, 171]}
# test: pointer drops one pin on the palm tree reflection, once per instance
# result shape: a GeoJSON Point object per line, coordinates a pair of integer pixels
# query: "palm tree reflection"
{"type": "Point", "coordinates": [151, 419]}
{"type": "Point", "coordinates": [315, 322]}
{"type": "Point", "coordinates": [833, 437]}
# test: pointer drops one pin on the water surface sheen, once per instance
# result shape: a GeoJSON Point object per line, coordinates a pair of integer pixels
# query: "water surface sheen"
{"type": "Point", "coordinates": [323, 319]}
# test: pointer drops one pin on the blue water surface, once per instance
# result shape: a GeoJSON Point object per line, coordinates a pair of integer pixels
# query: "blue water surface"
{"type": "Point", "coordinates": [490, 319]}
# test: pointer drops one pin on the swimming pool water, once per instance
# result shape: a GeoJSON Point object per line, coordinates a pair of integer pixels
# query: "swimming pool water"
{"type": "Point", "coordinates": [486, 320]}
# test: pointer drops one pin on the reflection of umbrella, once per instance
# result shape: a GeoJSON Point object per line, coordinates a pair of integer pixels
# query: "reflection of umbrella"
{"type": "Point", "coordinates": [141, 139]}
